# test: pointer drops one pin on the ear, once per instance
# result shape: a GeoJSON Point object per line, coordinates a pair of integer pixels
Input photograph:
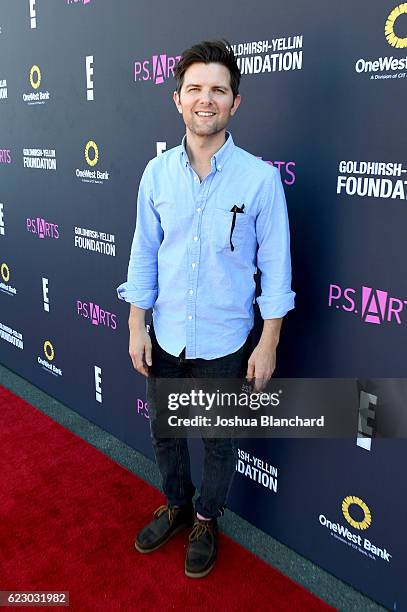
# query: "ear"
{"type": "Point", "coordinates": [176, 99]}
{"type": "Point", "coordinates": [235, 106]}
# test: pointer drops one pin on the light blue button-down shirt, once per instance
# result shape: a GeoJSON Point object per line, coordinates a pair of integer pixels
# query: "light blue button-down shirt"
{"type": "Point", "coordinates": [182, 264]}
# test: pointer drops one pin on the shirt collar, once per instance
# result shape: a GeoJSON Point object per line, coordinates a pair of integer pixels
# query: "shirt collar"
{"type": "Point", "coordinates": [218, 159]}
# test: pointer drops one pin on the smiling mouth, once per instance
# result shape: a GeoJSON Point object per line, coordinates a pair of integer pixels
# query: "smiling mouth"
{"type": "Point", "coordinates": [205, 113]}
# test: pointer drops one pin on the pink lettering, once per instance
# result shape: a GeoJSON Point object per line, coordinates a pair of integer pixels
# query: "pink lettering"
{"type": "Point", "coordinates": [5, 157]}
{"type": "Point", "coordinates": [170, 65]}
{"type": "Point", "coordinates": [335, 293]}
{"type": "Point", "coordinates": [159, 64]}
{"type": "Point", "coordinates": [346, 295]}
{"type": "Point", "coordinates": [395, 307]}
{"type": "Point", "coordinates": [41, 227]}
{"type": "Point", "coordinates": [102, 317]}
{"type": "Point", "coordinates": [94, 313]}
{"type": "Point", "coordinates": [290, 163]}
{"type": "Point", "coordinates": [373, 305]}
{"type": "Point", "coordinates": [137, 69]}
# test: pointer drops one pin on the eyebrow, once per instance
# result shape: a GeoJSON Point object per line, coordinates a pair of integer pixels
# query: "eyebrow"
{"type": "Point", "coordinates": [213, 86]}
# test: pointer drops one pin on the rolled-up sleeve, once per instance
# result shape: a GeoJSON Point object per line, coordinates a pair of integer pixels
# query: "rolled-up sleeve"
{"type": "Point", "coordinates": [273, 255]}
{"type": "Point", "coordinates": [141, 288]}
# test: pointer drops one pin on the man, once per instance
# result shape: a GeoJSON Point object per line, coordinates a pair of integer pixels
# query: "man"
{"type": "Point", "coordinates": [208, 213]}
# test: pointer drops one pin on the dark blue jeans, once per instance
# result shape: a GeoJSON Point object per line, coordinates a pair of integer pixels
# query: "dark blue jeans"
{"type": "Point", "coordinates": [172, 454]}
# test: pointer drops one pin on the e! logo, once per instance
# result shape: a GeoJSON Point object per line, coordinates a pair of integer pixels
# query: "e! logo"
{"type": "Point", "coordinates": [391, 36]}
{"type": "Point", "coordinates": [35, 82]}
{"type": "Point", "coordinates": [49, 350]}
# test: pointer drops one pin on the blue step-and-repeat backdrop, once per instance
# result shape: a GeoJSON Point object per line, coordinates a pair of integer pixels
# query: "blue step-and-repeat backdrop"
{"type": "Point", "coordinates": [85, 102]}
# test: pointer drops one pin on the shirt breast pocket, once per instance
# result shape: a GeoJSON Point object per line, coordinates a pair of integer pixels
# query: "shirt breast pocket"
{"type": "Point", "coordinates": [222, 221]}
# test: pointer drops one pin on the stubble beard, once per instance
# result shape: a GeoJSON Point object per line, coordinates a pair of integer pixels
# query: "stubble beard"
{"type": "Point", "coordinates": [206, 130]}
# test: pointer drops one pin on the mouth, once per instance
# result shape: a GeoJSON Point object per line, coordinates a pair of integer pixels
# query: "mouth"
{"type": "Point", "coordinates": [205, 113]}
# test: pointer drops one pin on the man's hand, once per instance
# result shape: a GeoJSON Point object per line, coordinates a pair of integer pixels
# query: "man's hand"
{"type": "Point", "coordinates": [140, 349]}
{"type": "Point", "coordinates": [140, 342]}
{"type": "Point", "coordinates": [261, 365]}
{"type": "Point", "coordinates": [262, 362]}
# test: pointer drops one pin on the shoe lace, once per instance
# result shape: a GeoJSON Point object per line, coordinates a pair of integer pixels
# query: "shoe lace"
{"type": "Point", "coordinates": [199, 529]}
{"type": "Point", "coordinates": [165, 508]}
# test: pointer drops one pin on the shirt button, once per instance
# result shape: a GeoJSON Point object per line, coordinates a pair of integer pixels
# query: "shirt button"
{"type": "Point", "coordinates": [191, 291]}
{"type": "Point", "coordinates": [193, 265]}
{"type": "Point", "coordinates": [189, 317]}
{"type": "Point", "coordinates": [195, 178]}
{"type": "Point", "coordinates": [198, 210]}
{"type": "Point", "coordinates": [195, 238]}
{"type": "Point", "coordinates": [219, 167]}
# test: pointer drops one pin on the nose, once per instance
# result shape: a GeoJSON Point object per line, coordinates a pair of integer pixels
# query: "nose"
{"type": "Point", "coordinates": [206, 95]}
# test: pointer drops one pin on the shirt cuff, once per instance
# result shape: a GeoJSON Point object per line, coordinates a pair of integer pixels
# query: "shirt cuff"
{"type": "Point", "coordinates": [143, 298]}
{"type": "Point", "coordinates": [276, 306]}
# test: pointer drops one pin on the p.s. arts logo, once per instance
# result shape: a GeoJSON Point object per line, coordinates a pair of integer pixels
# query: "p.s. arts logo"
{"type": "Point", "coordinates": [142, 408]}
{"type": "Point", "coordinates": [42, 228]}
{"type": "Point", "coordinates": [391, 37]}
{"type": "Point", "coordinates": [388, 67]}
{"type": "Point", "coordinates": [36, 96]}
{"type": "Point", "coordinates": [370, 305]}
{"type": "Point", "coordinates": [271, 55]}
{"type": "Point", "coordinates": [5, 156]}
{"type": "Point", "coordinates": [96, 315]}
{"type": "Point", "coordinates": [82, 2]}
{"type": "Point", "coordinates": [5, 285]}
{"type": "Point", "coordinates": [46, 360]}
{"type": "Point", "coordinates": [91, 155]}
{"type": "Point", "coordinates": [158, 69]}
{"type": "Point", "coordinates": [286, 170]}
{"type": "Point", "coordinates": [357, 514]}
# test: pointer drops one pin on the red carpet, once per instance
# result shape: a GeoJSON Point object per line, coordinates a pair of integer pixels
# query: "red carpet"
{"type": "Point", "coordinates": [68, 515]}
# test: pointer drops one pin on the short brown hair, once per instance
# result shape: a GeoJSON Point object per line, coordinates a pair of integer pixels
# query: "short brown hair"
{"type": "Point", "coordinates": [209, 51]}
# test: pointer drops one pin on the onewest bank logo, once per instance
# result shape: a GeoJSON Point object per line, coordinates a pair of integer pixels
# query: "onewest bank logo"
{"type": "Point", "coordinates": [371, 305]}
{"type": "Point", "coordinates": [157, 69]}
{"type": "Point", "coordinates": [394, 66]}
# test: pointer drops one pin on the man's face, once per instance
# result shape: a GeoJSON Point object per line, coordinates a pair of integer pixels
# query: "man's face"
{"type": "Point", "coordinates": [206, 99]}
